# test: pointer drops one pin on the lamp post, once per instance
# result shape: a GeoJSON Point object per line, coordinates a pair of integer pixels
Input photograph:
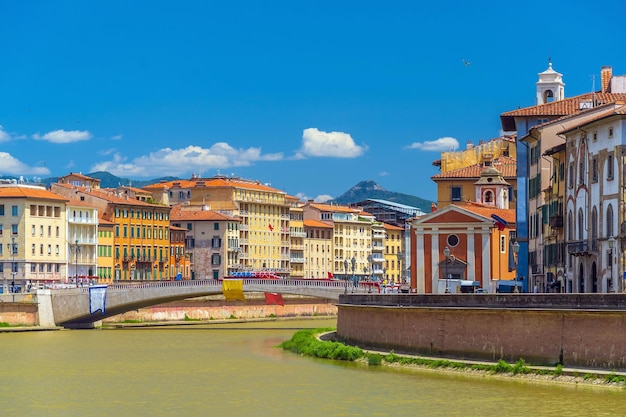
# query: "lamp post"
{"type": "Point", "coordinates": [515, 247]}
{"type": "Point", "coordinates": [353, 262]}
{"type": "Point", "coordinates": [610, 284]}
{"type": "Point", "coordinates": [400, 271]}
{"type": "Point", "coordinates": [345, 271]}
{"type": "Point", "coordinates": [76, 251]}
{"type": "Point", "coordinates": [446, 253]}
{"type": "Point", "coordinates": [13, 247]}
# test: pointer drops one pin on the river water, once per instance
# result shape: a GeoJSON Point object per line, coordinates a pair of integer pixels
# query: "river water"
{"type": "Point", "coordinates": [235, 369]}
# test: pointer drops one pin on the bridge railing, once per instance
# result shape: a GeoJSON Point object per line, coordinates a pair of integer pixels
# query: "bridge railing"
{"type": "Point", "coordinates": [217, 283]}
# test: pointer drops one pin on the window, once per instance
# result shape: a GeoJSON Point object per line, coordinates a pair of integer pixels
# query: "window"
{"type": "Point", "coordinates": [0, 230]}
{"type": "Point", "coordinates": [1, 209]}
{"type": "Point", "coordinates": [14, 229]}
{"type": "Point", "coordinates": [594, 169]}
{"type": "Point", "coordinates": [581, 172]}
{"type": "Point", "coordinates": [610, 132]}
{"type": "Point", "coordinates": [33, 249]}
{"type": "Point", "coordinates": [609, 221]}
{"type": "Point", "coordinates": [570, 176]}
{"type": "Point", "coordinates": [609, 167]}
{"type": "Point", "coordinates": [455, 193]}
{"type": "Point", "coordinates": [189, 226]}
{"type": "Point", "coordinates": [14, 211]}
{"type": "Point", "coordinates": [216, 226]}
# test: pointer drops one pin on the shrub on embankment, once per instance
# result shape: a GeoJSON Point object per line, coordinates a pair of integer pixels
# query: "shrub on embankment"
{"type": "Point", "coordinates": [306, 342]}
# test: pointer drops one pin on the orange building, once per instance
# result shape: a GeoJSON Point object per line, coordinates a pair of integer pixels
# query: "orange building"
{"type": "Point", "coordinates": [467, 245]}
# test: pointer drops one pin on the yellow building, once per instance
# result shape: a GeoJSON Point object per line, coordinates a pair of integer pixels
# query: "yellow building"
{"type": "Point", "coordinates": [106, 245]}
{"type": "Point", "coordinates": [317, 253]}
{"type": "Point", "coordinates": [141, 231]}
{"type": "Point", "coordinates": [297, 234]}
{"type": "Point", "coordinates": [32, 236]}
{"type": "Point", "coordinates": [393, 254]}
{"type": "Point", "coordinates": [352, 237]}
{"type": "Point", "coordinates": [264, 239]}
{"type": "Point", "coordinates": [460, 170]}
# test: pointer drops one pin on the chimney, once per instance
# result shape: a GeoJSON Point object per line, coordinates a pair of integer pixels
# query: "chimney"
{"type": "Point", "coordinates": [606, 73]}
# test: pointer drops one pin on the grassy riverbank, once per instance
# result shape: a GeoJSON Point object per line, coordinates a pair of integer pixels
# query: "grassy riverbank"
{"type": "Point", "coordinates": [307, 342]}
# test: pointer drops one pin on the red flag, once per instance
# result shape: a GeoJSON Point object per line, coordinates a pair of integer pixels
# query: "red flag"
{"type": "Point", "coordinates": [330, 275]}
{"type": "Point", "coordinates": [271, 228]}
{"type": "Point", "coordinates": [274, 298]}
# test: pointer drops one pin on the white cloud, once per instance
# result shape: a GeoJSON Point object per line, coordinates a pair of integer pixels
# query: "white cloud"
{"type": "Point", "coordinates": [4, 136]}
{"type": "Point", "coordinates": [317, 143]}
{"type": "Point", "coordinates": [185, 160]}
{"type": "Point", "coordinates": [445, 144]}
{"type": "Point", "coordinates": [322, 198]}
{"type": "Point", "coordinates": [64, 136]}
{"type": "Point", "coordinates": [117, 137]}
{"type": "Point", "coordinates": [12, 166]}
{"type": "Point", "coordinates": [383, 174]}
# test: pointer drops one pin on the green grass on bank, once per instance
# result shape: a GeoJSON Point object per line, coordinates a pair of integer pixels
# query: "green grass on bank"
{"type": "Point", "coordinates": [305, 342]}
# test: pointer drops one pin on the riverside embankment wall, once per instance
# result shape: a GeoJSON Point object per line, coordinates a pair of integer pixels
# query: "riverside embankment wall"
{"type": "Point", "coordinates": [585, 330]}
{"type": "Point", "coordinates": [24, 311]}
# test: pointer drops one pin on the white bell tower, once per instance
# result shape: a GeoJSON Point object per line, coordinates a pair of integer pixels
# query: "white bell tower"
{"type": "Point", "coordinates": [550, 86]}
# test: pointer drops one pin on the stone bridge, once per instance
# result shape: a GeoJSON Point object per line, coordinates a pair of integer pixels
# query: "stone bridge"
{"type": "Point", "coordinates": [72, 307]}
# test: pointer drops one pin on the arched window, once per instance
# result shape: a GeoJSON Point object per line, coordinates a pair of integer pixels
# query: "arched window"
{"type": "Point", "coordinates": [570, 226]}
{"type": "Point", "coordinates": [548, 96]}
{"type": "Point", "coordinates": [609, 221]}
{"type": "Point", "coordinates": [488, 197]}
{"type": "Point", "coordinates": [581, 225]}
{"type": "Point", "coordinates": [594, 225]}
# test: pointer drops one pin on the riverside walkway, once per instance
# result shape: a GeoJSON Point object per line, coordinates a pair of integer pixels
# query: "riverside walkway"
{"type": "Point", "coordinates": [80, 308]}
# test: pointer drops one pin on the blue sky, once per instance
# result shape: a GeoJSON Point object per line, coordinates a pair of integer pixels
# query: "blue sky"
{"type": "Point", "coordinates": [310, 97]}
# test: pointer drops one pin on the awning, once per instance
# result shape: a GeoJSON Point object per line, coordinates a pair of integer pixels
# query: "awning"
{"type": "Point", "coordinates": [466, 283]}
{"type": "Point", "coordinates": [509, 283]}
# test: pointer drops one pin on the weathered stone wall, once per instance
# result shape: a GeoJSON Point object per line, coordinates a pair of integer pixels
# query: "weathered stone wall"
{"type": "Point", "coordinates": [208, 309]}
{"type": "Point", "coordinates": [24, 314]}
{"type": "Point", "coordinates": [585, 331]}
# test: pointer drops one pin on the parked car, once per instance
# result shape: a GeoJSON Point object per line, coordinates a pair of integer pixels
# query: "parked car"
{"type": "Point", "coordinates": [480, 291]}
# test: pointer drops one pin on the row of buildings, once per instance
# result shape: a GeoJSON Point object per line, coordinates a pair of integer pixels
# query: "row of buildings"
{"type": "Point", "coordinates": [76, 231]}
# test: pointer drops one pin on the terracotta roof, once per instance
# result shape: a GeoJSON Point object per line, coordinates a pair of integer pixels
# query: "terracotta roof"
{"type": "Point", "coordinates": [29, 192]}
{"type": "Point", "coordinates": [78, 203]}
{"type": "Point", "coordinates": [317, 223]}
{"type": "Point", "coordinates": [392, 227]}
{"type": "Point", "coordinates": [105, 222]}
{"type": "Point", "coordinates": [505, 164]}
{"type": "Point", "coordinates": [107, 195]}
{"type": "Point", "coordinates": [619, 111]}
{"type": "Point", "coordinates": [213, 182]}
{"type": "Point", "coordinates": [196, 213]}
{"type": "Point", "coordinates": [332, 207]}
{"type": "Point", "coordinates": [178, 229]}
{"type": "Point", "coordinates": [487, 211]}
{"type": "Point", "coordinates": [79, 175]}
{"type": "Point", "coordinates": [566, 107]}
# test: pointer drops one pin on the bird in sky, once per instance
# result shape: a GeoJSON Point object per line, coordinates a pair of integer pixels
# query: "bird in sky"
{"type": "Point", "coordinates": [466, 62]}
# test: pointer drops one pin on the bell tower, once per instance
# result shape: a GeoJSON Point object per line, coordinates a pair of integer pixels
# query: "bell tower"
{"type": "Point", "coordinates": [550, 86]}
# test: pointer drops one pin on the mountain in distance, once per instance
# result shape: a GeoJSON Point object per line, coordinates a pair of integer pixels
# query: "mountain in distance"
{"type": "Point", "coordinates": [370, 189]}
{"type": "Point", "coordinates": [108, 180]}
{"type": "Point", "coordinates": [362, 191]}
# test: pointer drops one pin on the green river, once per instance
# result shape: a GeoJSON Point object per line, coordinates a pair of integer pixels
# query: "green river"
{"type": "Point", "coordinates": [235, 369]}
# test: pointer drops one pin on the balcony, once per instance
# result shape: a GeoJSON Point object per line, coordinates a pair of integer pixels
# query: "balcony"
{"type": "Point", "coordinates": [296, 260]}
{"type": "Point", "coordinates": [581, 248]}
{"type": "Point", "coordinates": [556, 221]}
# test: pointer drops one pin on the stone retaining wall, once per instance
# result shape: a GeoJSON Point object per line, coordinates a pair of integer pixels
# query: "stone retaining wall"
{"type": "Point", "coordinates": [580, 330]}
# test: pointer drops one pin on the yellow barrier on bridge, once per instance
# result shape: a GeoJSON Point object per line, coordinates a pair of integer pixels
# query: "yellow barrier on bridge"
{"type": "Point", "coordinates": [233, 289]}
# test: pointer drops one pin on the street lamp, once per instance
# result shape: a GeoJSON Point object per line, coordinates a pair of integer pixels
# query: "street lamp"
{"type": "Point", "coordinates": [611, 242]}
{"type": "Point", "coordinates": [515, 247]}
{"type": "Point", "coordinates": [353, 262]}
{"type": "Point", "coordinates": [76, 251]}
{"type": "Point", "coordinates": [400, 271]}
{"type": "Point", "coordinates": [345, 271]}
{"type": "Point", "coordinates": [446, 253]}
